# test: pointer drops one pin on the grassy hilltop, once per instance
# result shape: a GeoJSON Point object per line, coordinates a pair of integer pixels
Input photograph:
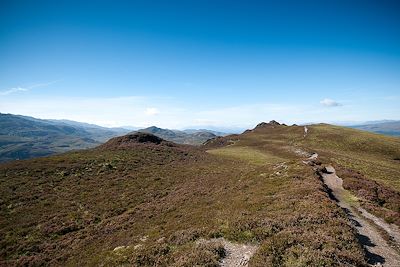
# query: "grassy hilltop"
{"type": "Point", "coordinates": [142, 201]}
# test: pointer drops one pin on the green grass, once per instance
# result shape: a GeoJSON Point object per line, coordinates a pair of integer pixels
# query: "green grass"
{"type": "Point", "coordinates": [372, 154]}
{"type": "Point", "coordinates": [350, 198]}
{"type": "Point", "coordinates": [247, 154]}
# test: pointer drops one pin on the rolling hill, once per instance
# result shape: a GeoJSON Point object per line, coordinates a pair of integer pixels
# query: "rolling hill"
{"type": "Point", "coordinates": [385, 127]}
{"type": "Point", "coordinates": [140, 200]}
{"type": "Point", "coordinates": [23, 137]}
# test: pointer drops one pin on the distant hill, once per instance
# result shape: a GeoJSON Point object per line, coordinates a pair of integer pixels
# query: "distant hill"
{"type": "Point", "coordinates": [98, 133]}
{"type": "Point", "coordinates": [385, 127]}
{"type": "Point", "coordinates": [190, 137]}
{"type": "Point", "coordinates": [23, 137]}
{"type": "Point", "coordinates": [217, 130]}
{"type": "Point", "coordinates": [217, 133]}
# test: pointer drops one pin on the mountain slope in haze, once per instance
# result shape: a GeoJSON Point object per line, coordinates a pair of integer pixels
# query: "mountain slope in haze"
{"type": "Point", "coordinates": [139, 200]}
{"type": "Point", "coordinates": [192, 137]}
{"type": "Point", "coordinates": [386, 127]}
{"type": "Point", "coordinates": [217, 133]}
{"type": "Point", "coordinates": [23, 137]}
{"type": "Point", "coordinates": [98, 133]}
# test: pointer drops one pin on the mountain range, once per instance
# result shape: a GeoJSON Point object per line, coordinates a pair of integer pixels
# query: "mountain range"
{"type": "Point", "coordinates": [23, 137]}
{"type": "Point", "coordinates": [387, 127]}
{"type": "Point", "coordinates": [190, 136]}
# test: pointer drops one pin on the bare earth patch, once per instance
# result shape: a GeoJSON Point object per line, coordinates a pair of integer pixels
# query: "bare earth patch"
{"type": "Point", "coordinates": [236, 255]}
{"type": "Point", "coordinates": [392, 229]}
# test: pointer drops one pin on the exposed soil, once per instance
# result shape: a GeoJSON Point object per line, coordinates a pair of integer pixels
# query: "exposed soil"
{"type": "Point", "coordinates": [236, 255]}
{"type": "Point", "coordinates": [392, 229]}
{"type": "Point", "coordinates": [378, 251]}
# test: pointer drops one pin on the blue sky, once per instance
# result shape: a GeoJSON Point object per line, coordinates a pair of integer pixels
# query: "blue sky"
{"type": "Point", "coordinates": [200, 63]}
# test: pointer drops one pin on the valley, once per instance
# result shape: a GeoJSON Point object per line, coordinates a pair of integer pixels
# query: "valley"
{"type": "Point", "coordinates": [23, 137]}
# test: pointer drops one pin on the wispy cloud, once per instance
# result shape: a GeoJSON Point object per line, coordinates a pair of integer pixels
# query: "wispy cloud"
{"type": "Point", "coordinates": [13, 90]}
{"type": "Point", "coordinates": [327, 102]}
{"type": "Point", "coordinates": [25, 88]}
{"type": "Point", "coordinates": [42, 84]}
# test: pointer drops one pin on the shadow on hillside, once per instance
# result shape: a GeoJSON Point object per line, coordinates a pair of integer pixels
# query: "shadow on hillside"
{"type": "Point", "coordinates": [351, 217]}
{"type": "Point", "coordinates": [372, 258]}
{"type": "Point", "coordinates": [365, 241]}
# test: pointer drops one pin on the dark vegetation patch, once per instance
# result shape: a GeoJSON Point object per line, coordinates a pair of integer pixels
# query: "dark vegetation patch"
{"type": "Point", "coordinates": [220, 141]}
{"type": "Point", "coordinates": [161, 253]}
{"type": "Point", "coordinates": [132, 140]}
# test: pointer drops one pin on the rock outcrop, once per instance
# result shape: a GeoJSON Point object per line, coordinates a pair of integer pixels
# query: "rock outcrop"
{"type": "Point", "coordinates": [272, 124]}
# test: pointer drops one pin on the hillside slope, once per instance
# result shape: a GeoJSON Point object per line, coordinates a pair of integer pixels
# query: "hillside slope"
{"type": "Point", "coordinates": [24, 137]}
{"type": "Point", "coordinates": [142, 201]}
{"type": "Point", "coordinates": [369, 163]}
{"type": "Point", "coordinates": [387, 128]}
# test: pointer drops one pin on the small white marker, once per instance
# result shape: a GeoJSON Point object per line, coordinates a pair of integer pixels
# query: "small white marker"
{"type": "Point", "coordinates": [305, 131]}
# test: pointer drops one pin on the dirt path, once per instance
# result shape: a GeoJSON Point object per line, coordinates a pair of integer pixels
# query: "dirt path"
{"type": "Point", "coordinates": [392, 229]}
{"type": "Point", "coordinates": [236, 255]}
{"type": "Point", "coordinates": [379, 252]}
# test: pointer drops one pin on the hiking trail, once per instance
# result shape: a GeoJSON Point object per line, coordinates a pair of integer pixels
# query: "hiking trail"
{"type": "Point", "coordinates": [378, 251]}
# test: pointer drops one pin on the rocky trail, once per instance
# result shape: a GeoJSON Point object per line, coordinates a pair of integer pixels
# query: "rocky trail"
{"type": "Point", "coordinates": [378, 251]}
